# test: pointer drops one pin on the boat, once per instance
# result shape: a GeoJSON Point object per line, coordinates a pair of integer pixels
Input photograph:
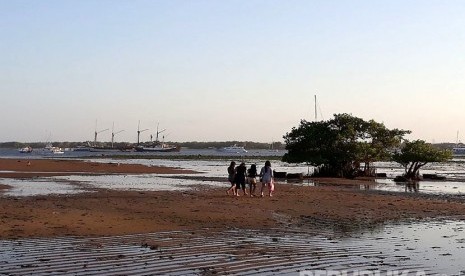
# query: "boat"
{"type": "Point", "coordinates": [57, 150]}
{"type": "Point", "coordinates": [271, 149]}
{"type": "Point", "coordinates": [81, 148]}
{"type": "Point", "coordinates": [27, 149]}
{"type": "Point", "coordinates": [157, 147]}
{"type": "Point", "coordinates": [233, 149]}
{"type": "Point", "coordinates": [99, 147]}
{"type": "Point", "coordinates": [49, 148]}
{"type": "Point", "coordinates": [460, 150]}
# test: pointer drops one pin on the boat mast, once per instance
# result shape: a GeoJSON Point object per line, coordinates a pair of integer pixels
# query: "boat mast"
{"type": "Point", "coordinates": [316, 114]}
{"type": "Point", "coordinates": [113, 134]}
{"type": "Point", "coordinates": [139, 131]}
{"type": "Point", "coordinates": [97, 132]}
{"type": "Point", "coordinates": [158, 132]}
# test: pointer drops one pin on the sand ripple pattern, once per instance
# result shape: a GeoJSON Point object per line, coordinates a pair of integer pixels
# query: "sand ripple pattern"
{"type": "Point", "coordinates": [238, 252]}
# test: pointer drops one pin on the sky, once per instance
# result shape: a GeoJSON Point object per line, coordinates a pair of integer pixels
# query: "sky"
{"type": "Point", "coordinates": [245, 70]}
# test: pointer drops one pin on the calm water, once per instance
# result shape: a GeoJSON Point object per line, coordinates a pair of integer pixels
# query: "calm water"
{"type": "Point", "coordinates": [453, 171]}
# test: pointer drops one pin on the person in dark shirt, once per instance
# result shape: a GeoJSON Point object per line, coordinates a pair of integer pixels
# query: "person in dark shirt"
{"type": "Point", "coordinates": [251, 179]}
{"type": "Point", "coordinates": [231, 177]}
{"type": "Point", "coordinates": [240, 178]}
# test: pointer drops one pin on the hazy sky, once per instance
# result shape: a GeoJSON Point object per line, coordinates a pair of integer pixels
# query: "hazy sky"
{"type": "Point", "coordinates": [228, 70]}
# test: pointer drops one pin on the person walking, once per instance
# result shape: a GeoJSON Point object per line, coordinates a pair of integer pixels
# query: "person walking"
{"type": "Point", "coordinates": [241, 171]}
{"type": "Point", "coordinates": [232, 177]}
{"type": "Point", "coordinates": [251, 179]}
{"type": "Point", "coordinates": [266, 175]}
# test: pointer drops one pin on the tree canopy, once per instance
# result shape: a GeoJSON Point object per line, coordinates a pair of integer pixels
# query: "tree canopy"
{"type": "Point", "coordinates": [338, 146]}
{"type": "Point", "coordinates": [415, 154]}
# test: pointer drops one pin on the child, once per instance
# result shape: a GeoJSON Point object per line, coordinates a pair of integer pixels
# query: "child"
{"type": "Point", "coordinates": [240, 178]}
{"type": "Point", "coordinates": [266, 174]}
{"type": "Point", "coordinates": [231, 177]}
{"type": "Point", "coordinates": [251, 175]}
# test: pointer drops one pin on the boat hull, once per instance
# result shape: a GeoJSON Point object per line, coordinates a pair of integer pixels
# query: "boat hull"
{"type": "Point", "coordinates": [157, 149]}
{"type": "Point", "coordinates": [233, 149]}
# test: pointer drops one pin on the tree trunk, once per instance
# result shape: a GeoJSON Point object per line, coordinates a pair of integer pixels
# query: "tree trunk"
{"type": "Point", "coordinates": [413, 172]}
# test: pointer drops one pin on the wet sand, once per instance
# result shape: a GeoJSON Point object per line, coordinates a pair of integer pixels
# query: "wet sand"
{"type": "Point", "coordinates": [237, 252]}
{"type": "Point", "coordinates": [23, 168]}
{"type": "Point", "coordinates": [109, 212]}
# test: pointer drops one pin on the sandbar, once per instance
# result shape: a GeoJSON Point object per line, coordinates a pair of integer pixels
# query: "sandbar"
{"type": "Point", "coordinates": [105, 212]}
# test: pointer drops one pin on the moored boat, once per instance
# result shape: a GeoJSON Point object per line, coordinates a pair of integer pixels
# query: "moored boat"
{"type": "Point", "coordinates": [458, 150]}
{"type": "Point", "coordinates": [49, 148]}
{"type": "Point", "coordinates": [157, 147]}
{"type": "Point", "coordinates": [233, 149]}
{"type": "Point", "coordinates": [27, 149]}
{"type": "Point", "coordinates": [57, 150]}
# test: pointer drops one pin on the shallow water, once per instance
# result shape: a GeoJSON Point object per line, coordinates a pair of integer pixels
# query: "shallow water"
{"type": "Point", "coordinates": [425, 247]}
{"type": "Point", "coordinates": [439, 244]}
{"type": "Point", "coordinates": [428, 187]}
{"type": "Point", "coordinates": [145, 182]}
{"type": "Point", "coordinates": [433, 247]}
{"type": "Point", "coordinates": [217, 169]}
{"type": "Point", "coordinates": [39, 186]}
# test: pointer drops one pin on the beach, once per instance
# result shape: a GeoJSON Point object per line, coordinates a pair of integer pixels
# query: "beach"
{"type": "Point", "coordinates": [103, 212]}
{"type": "Point", "coordinates": [126, 227]}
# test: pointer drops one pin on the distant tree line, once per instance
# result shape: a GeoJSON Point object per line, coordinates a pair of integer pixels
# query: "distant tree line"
{"type": "Point", "coordinates": [191, 145]}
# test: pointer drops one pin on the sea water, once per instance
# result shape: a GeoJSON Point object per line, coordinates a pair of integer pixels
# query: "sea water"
{"type": "Point", "coordinates": [217, 169]}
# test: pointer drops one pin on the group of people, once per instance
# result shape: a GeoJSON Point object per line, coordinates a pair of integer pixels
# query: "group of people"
{"type": "Point", "coordinates": [240, 175]}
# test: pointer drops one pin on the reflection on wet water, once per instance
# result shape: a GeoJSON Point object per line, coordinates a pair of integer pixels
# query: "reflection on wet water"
{"type": "Point", "coordinates": [39, 186]}
{"type": "Point", "coordinates": [211, 168]}
{"type": "Point", "coordinates": [429, 187]}
{"type": "Point", "coordinates": [429, 247]}
{"type": "Point", "coordinates": [145, 182]}
{"type": "Point", "coordinates": [215, 170]}
{"type": "Point", "coordinates": [84, 183]}
{"type": "Point", "coordinates": [438, 244]}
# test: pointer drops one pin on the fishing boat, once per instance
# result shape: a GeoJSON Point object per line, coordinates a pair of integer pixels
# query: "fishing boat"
{"type": "Point", "coordinates": [233, 149]}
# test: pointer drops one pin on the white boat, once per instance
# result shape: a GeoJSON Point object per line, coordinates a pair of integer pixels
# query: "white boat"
{"type": "Point", "coordinates": [25, 150]}
{"type": "Point", "coordinates": [57, 150]}
{"type": "Point", "coordinates": [158, 147]}
{"type": "Point", "coordinates": [233, 149]}
{"type": "Point", "coordinates": [49, 148]}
